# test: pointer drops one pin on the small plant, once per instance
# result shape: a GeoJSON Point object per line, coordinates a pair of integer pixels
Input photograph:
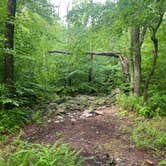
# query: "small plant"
{"type": "Point", "coordinates": [154, 107]}
{"type": "Point", "coordinates": [5, 99]}
{"type": "Point", "coordinates": [150, 135]}
{"type": "Point", "coordinates": [11, 120]}
{"type": "Point", "coordinates": [131, 103]}
{"type": "Point", "coordinates": [157, 104]}
{"type": "Point", "coordinates": [162, 163]}
{"type": "Point", "coordinates": [40, 155]}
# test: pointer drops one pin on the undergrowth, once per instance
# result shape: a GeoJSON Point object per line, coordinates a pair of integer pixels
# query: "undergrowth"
{"type": "Point", "coordinates": [26, 154]}
{"type": "Point", "coordinates": [155, 106]}
{"type": "Point", "coordinates": [151, 134]}
{"type": "Point", "coordinates": [13, 119]}
{"type": "Point", "coordinates": [162, 163]}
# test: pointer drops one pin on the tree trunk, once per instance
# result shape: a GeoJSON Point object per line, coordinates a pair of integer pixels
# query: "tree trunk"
{"type": "Point", "coordinates": [125, 67]}
{"type": "Point", "coordinates": [90, 77]}
{"type": "Point", "coordinates": [135, 64]}
{"type": "Point", "coordinates": [9, 45]}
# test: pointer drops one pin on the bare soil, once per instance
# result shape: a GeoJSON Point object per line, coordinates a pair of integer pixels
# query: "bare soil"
{"type": "Point", "coordinates": [104, 138]}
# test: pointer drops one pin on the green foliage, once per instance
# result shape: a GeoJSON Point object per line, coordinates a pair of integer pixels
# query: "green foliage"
{"type": "Point", "coordinates": [11, 120]}
{"type": "Point", "coordinates": [5, 99]}
{"type": "Point", "coordinates": [157, 104]}
{"type": "Point", "coordinates": [162, 163]}
{"type": "Point", "coordinates": [131, 103]}
{"type": "Point", "coordinates": [151, 135]}
{"type": "Point", "coordinates": [40, 76]}
{"type": "Point", "coordinates": [40, 155]}
{"type": "Point", "coordinates": [154, 107]}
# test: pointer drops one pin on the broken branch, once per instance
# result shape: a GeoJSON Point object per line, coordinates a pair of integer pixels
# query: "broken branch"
{"type": "Point", "coordinates": [113, 54]}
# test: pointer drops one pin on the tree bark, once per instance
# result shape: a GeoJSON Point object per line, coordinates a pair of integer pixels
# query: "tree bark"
{"type": "Point", "coordinates": [90, 76]}
{"type": "Point", "coordinates": [9, 45]}
{"type": "Point", "coordinates": [135, 64]}
{"type": "Point", "coordinates": [125, 67]}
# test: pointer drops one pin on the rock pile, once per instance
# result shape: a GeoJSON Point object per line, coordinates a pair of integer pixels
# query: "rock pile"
{"type": "Point", "coordinates": [85, 103]}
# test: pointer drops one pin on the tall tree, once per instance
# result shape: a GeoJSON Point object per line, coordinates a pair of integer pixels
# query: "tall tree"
{"type": "Point", "coordinates": [137, 38]}
{"type": "Point", "coordinates": [90, 76]}
{"type": "Point", "coordinates": [9, 45]}
{"type": "Point", "coordinates": [135, 60]}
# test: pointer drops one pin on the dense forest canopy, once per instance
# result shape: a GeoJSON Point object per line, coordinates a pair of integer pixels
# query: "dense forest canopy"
{"type": "Point", "coordinates": [135, 29]}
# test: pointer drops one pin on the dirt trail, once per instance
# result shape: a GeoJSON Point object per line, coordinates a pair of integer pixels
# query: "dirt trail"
{"type": "Point", "coordinates": [103, 137]}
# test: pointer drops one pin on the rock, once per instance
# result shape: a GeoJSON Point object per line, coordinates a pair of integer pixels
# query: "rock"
{"type": "Point", "coordinates": [59, 117]}
{"type": "Point", "coordinates": [97, 132]}
{"type": "Point", "coordinates": [52, 106]}
{"type": "Point", "coordinates": [150, 162]}
{"type": "Point", "coordinates": [57, 121]}
{"type": "Point", "coordinates": [71, 105]}
{"type": "Point", "coordinates": [60, 111]}
{"type": "Point", "coordinates": [71, 116]}
{"type": "Point", "coordinates": [99, 112]}
{"type": "Point", "coordinates": [115, 91]}
{"type": "Point", "coordinates": [86, 114]}
{"type": "Point", "coordinates": [50, 111]}
{"type": "Point", "coordinates": [90, 113]}
{"type": "Point", "coordinates": [73, 120]}
{"type": "Point", "coordinates": [102, 107]}
{"type": "Point", "coordinates": [49, 121]}
{"type": "Point", "coordinates": [62, 106]}
{"type": "Point", "coordinates": [100, 102]}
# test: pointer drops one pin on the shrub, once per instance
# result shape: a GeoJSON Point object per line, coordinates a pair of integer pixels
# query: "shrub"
{"type": "Point", "coordinates": [157, 104]}
{"type": "Point", "coordinates": [154, 107]}
{"type": "Point", "coordinates": [7, 101]}
{"type": "Point", "coordinates": [131, 103]}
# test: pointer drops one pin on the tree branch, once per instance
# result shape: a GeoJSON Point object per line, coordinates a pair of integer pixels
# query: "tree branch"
{"type": "Point", "coordinates": [111, 54]}
{"type": "Point", "coordinates": [142, 37]}
{"type": "Point", "coordinates": [160, 21]}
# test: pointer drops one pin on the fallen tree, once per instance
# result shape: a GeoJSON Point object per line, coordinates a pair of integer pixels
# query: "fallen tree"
{"type": "Point", "coordinates": [123, 59]}
{"type": "Point", "coordinates": [113, 54]}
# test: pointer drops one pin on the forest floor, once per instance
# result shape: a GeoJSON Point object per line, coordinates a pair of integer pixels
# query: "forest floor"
{"type": "Point", "coordinates": [103, 135]}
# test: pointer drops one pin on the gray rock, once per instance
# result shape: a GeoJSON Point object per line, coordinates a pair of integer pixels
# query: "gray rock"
{"type": "Point", "coordinates": [56, 121]}
{"type": "Point", "coordinates": [73, 120]}
{"type": "Point", "coordinates": [52, 105]}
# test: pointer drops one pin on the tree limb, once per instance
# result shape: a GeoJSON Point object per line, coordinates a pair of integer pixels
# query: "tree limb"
{"type": "Point", "coordinates": [142, 36]}
{"type": "Point", "coordinates": [155, 56]}
{"type": "Point", "coordinates": [111, 54]}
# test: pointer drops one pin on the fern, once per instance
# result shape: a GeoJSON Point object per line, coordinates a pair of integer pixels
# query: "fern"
{"type": "Point", "coordinates": [41, 155]}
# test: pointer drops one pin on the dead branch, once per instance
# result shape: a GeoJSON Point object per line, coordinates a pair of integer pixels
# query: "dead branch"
{"type": "Point", "coordinates": [112, 54]}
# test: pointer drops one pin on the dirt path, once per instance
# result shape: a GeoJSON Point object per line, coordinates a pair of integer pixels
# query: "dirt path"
{"type": "Point", "coordinates": [103, 137]}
